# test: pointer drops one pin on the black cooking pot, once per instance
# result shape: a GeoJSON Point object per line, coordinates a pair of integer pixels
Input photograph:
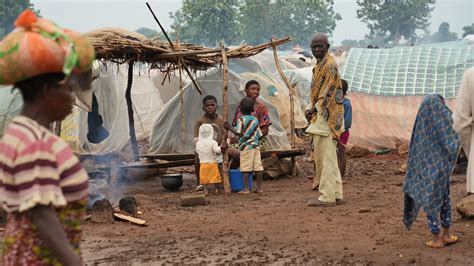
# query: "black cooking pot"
{"type": "Point", "coordinates": [172, 182]}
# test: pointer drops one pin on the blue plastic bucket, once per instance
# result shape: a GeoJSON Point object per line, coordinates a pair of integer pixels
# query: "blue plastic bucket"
{"type": "Point", "coordinates": [236, 180]}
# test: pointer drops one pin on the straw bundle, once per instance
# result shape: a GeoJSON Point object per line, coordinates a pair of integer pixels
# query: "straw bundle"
{"type": "Point", "coordinates": [122, 46]}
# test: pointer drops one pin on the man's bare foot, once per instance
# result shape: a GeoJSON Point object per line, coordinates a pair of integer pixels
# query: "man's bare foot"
{"type": "Point", "coordinates": [206, 193]}
{"type": "Point", "coordinates": [216, 192]}
{"type": "Point", "coordinates": [244, 192]}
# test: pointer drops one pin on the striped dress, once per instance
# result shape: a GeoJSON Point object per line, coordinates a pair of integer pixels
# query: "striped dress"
{"type": "Point", "coordinates": [38, 168]}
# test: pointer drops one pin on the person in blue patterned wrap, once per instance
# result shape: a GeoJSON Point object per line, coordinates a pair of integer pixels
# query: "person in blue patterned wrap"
{"type": "Point", "coordinates": [434, 148]}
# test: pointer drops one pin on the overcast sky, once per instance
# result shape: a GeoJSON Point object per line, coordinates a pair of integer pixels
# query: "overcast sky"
{"type": "Point", "coordinates": [85, 15]}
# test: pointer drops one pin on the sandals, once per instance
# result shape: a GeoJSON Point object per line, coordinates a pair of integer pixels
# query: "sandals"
{"type": "Point", "coordinates": [244, 192]}
{"type": "Point", "coordinates": [432, 244]}
{"type": "Point", "coordinates": [318, 203]}
{"type": "Point", "coordinates": [452, 239]}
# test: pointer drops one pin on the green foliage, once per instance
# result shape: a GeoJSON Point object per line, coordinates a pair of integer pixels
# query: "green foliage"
{"type": "Point", "coordinates": [395, 18]}
{"type": "Point", "coordinates": [300, 19]}
{"type": "Point", "coordinates": [198, 21]}
{"type": "Point", "coordinates": [443, 35]}
{"type": "Point", "coordinates": [9, 11]}
{"type": "Point", "coordinates": [253, 21]}
{"type": "Point", "coordinates": [350, 43]}
{"type": "Point", "coordinates": [469, 29]}
{"type": "Point", "coordinates": [377, 41]}
{"type": "Point", "coordinates": [149, 33]}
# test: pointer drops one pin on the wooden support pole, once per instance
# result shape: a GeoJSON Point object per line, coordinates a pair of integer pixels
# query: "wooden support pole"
{"type": "Point", "coordinates": [292, 106]}
{"type": "Point", "coordinates": [291, 93]}
{"type": "Point", "coordinates": [181, 106]}
{"type": "Point", "coordinates": [225, 162]}
{"type": "Point", "coordinates": [131, 119]}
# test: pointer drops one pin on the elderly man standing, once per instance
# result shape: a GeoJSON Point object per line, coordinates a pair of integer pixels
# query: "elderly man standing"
{"type": "Point", "coordinates": [463, 121]}
{"type": "Point", "coordinates": [326, 113]}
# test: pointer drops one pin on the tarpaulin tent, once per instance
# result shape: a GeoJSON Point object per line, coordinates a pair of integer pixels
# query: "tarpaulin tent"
{"type": "Point", "coordinates": [166, 136]}
{"type": "Point", "coordinates": [386, 87]}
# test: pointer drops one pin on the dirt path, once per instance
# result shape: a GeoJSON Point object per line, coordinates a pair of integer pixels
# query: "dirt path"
{"type": "Point", "coordinates": [278, 227]}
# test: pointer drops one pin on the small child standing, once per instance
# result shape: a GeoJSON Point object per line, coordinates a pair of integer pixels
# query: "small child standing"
{"type": "Point", "coordinates": [247, 127]}
{"type": "Point", "coordinates": [209, 106]}
{"type": "Point", "coordinates": [207, 150]}
{"type": "Point", "coordinates": [344, 138]}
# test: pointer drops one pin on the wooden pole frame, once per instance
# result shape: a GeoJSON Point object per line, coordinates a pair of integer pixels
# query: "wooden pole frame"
{"type": "Point", "coordinates": [225, 162]}
{"type": "Point", "coordinates": [181, 106]}
{"type": "Point", "coordinates": [291, 93]}
{"type": "Point", "coordinates": [131, 119]}
{"type": "Point", "coordinates": [292, 105]}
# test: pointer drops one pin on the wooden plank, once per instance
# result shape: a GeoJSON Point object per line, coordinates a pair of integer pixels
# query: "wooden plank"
{"type": "Point", "coordinates": [130, 219]}
{"type": "Point", "coordinates": [283, 153]}
{"type": "Point", "coordinates": [188, 156]}
{"type": "Point", "coordinates": [168, 157]}
{"type": "Point", "coordinates": [140, 165]}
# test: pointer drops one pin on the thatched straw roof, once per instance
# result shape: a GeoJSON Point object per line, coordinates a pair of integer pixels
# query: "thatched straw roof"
{"type": "Point", "coordinates": [122, 46]}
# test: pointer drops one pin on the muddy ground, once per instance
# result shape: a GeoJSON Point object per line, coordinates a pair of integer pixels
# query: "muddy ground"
{"type": "Point", "coordinates": [278, 227]}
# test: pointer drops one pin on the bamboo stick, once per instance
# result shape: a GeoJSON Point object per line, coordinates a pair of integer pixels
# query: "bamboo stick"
{"type": "Point", "coordinates": [225, 162]}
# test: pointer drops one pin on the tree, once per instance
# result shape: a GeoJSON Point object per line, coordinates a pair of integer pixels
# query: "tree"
{"type": "Point", "coordinates": [149, 33]}
{"type": "Point", "coordinates": [395, 18]}
{"type": "Point", "coordinates": [468, 30]}
{"type": "Point", "coordinates": [443, 35]}
{"type": "Point", "coordinates": [253, 21]}
{"type": "Point", "coordinates": [350, 43]}
{"type": "Point", "coordinates": [262, 19]}
{"type": "Point", "coordinates": [200, 22]}
{"type": "Point", "coordinates": [9, 11]}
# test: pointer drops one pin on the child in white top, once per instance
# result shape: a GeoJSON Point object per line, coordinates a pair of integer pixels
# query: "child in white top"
{"type": "Point", "coordinates": [207, 150]}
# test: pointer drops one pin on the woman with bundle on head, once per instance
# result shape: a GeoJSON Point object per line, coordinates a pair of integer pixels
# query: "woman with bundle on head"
{"type": "Point", "coordinates": [43, 186]}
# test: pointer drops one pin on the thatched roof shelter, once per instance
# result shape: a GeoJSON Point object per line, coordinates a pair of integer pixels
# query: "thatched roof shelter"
{"type": "Point", "coordinates": [123, 46]}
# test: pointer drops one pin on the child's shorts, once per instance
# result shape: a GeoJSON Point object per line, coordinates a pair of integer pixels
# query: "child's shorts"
{"type": "Point", "coordinates": [250, 161]}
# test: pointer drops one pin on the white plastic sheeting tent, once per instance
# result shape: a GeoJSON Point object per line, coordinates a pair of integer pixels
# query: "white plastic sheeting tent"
{"type": "Point", "coordinates": [166, 136]}
{"type": "Point", "coordinates": [109, 89]}
{"type": "Point", "coordinates": [404, 71]}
